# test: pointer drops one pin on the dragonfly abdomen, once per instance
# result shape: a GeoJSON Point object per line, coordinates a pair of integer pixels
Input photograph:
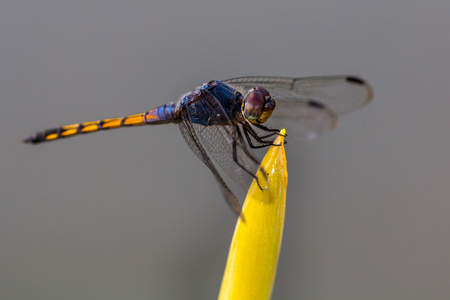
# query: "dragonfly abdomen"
{"type": "Point", "coordinates": [163, 114]}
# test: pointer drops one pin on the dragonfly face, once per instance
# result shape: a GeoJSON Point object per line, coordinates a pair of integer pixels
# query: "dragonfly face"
{"type": "Point", "coordinates": [218, 123]}
{"type": "Point", "coordinates": [258, 105]}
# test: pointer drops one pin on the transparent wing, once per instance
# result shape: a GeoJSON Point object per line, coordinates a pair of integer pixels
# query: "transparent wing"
{"type": "Point", "coordinates": [222, 140]}
{"type": "Point", "coordinates": [309, 107]}
{"type": "Point", "coordinates": [341, 94]}
{"type": "Point", "coordinates": [189, 135]}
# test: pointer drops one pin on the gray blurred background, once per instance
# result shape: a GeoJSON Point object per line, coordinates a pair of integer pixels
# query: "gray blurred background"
{"type": "Point", "coordinates": [133, 214]}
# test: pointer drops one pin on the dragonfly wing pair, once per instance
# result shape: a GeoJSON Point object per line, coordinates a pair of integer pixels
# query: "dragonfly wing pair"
{"type": "Point", "coordinates": [223, 142]}
{"type": "Point", "coordinates": [309, 107]}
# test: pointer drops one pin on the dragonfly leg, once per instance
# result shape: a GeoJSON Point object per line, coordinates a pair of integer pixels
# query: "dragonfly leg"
{"type": "Point", "coordinates": [250, 142]}
{"type": "Point", "coordinates": [248, 153]}
{"type": "Point", "coordinates": [235, 158]}
{"type": "Point", "coordinates": [248, 131]}
{"type": "Point", "coordinates": [273, 131]}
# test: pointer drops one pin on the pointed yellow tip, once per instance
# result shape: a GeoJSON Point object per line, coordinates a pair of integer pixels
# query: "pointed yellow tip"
{"type": "Point", "coordinates": [253, 256]}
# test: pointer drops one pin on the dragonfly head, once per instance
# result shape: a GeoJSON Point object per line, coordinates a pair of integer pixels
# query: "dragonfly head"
{"type": "Point", "coordinates": [258, 105]}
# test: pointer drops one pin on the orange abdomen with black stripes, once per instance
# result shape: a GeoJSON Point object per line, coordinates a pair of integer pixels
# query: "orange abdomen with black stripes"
{"type": "Point", "coordinates": [163, 114]}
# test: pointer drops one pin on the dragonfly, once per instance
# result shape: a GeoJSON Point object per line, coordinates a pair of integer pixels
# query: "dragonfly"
{"type": "Point", "coordinates": [221, 121]}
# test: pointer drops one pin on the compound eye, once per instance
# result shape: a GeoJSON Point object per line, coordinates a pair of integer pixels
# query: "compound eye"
{"type": "Point", "coordinates": [263, 91]}
{"type": "Point", "coordinates": [254, 105]}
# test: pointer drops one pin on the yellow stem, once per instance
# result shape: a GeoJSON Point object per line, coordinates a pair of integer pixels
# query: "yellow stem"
{"type": "Point", "coordinates": [253, 255]}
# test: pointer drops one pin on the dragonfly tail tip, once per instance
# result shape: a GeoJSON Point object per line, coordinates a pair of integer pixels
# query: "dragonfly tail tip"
{"type": "Point", "coordinates": [31, 140]}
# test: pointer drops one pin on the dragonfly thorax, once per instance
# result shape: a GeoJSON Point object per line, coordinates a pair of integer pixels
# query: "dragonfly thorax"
{"type": "Point", "coordinates": [258, 105]}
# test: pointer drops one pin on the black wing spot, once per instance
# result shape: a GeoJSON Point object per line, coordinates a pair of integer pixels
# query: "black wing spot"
{"type": "Point", "coordinates": [356, 80]}
{"type": "Point", "coordinates": [315, 104]}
